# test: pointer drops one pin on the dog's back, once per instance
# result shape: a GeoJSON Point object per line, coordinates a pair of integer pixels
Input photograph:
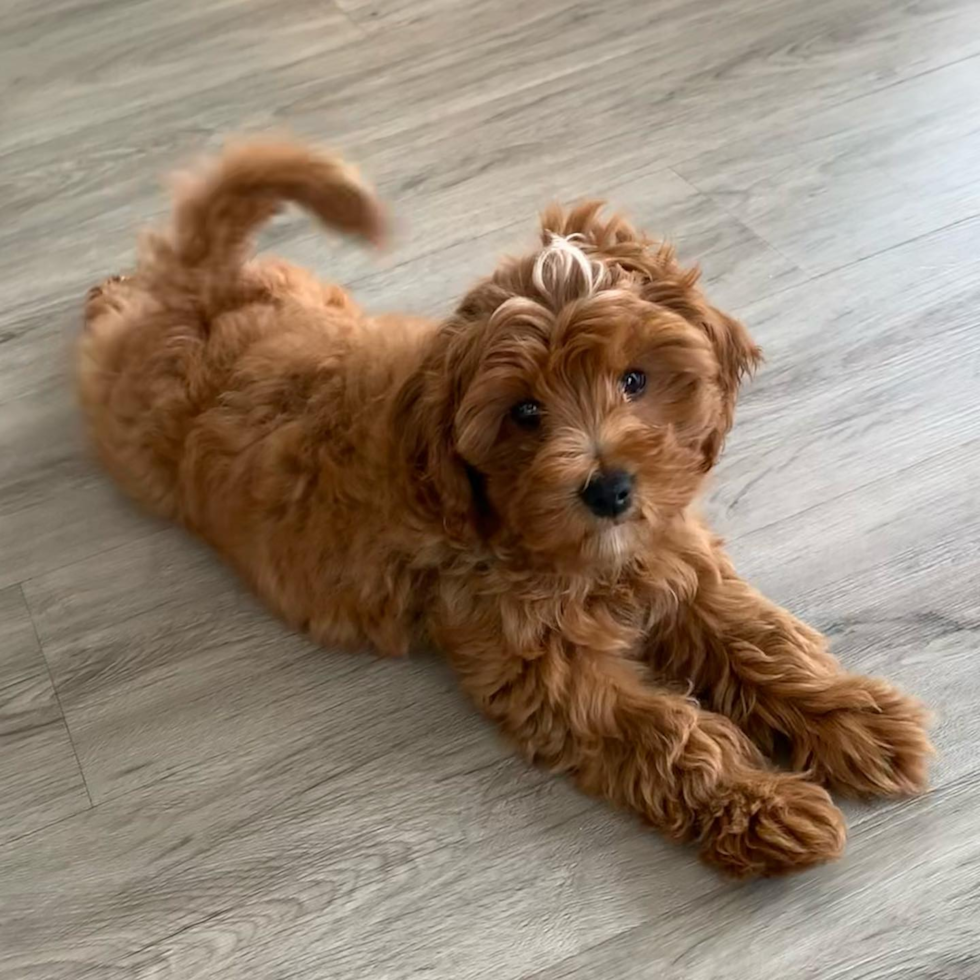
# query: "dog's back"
{"type": "Point", "coordinates": [161, 347]}
{"type": "Point", "coordinates": [241, 398]}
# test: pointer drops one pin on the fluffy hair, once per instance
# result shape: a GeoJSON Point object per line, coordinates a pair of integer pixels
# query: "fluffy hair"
{"type": "Point", "coordinates": [515, 483]}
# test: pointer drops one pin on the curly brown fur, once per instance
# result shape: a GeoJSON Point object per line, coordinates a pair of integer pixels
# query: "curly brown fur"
{"type": "Point", "coordinates": [372, 480]}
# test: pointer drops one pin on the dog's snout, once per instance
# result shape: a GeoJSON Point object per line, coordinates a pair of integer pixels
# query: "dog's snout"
{"type": "Point", "coordinates": [609, 494]}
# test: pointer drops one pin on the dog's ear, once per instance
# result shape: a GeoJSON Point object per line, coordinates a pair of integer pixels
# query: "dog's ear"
{"type": "Point", "coordinates": [667, 284]}
{"type": "Point", "coordinates": [737, 357]}
{"type": "Point", "coordinates": [441, 485]}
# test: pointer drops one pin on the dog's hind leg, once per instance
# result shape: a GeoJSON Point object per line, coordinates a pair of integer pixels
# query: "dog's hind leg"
{"type": "Point", "coordinates": [106, 297]}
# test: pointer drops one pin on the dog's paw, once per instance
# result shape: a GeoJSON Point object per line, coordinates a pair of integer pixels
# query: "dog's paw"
{"type": "Point", "coordinates": [773, 824]}
{"type": "Point", "coordinates": [878, 749]}
{"type": "Point", "coordinates": [99, 298]}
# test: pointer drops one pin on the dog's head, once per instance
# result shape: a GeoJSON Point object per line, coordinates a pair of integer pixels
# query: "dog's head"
{"type": "Point", "coordinates": [576, 398]}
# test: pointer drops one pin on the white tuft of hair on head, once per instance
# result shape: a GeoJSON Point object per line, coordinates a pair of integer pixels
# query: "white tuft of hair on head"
{"type": "Point", "coordinates": [563, 271]}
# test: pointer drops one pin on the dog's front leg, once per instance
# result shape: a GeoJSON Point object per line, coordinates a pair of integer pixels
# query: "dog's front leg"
{"type": "Point", "coordinates": [773, 676]}
{"type": "Point", "coordinates": [690, 773]}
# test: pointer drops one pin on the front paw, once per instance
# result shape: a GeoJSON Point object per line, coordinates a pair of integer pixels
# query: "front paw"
{"type": "Point", "coordinates": [772, 824]}
{"type": "Point", "coordinates": [876, 746]}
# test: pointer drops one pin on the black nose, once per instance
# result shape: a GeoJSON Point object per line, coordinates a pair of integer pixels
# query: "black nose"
{"type": "Point", "coordinates": [609, 494]}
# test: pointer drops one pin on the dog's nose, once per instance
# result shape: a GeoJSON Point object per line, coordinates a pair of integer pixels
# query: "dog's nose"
{"type": "Point", "coordinates": [609, 494]}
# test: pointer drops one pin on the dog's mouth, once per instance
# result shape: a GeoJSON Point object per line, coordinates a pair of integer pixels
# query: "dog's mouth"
{"type": "Point", "coordinates": [616, 541]}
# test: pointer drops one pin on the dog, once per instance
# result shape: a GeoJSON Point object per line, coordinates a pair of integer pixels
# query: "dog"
{"type": "Point", "coordinates": [516, 484]}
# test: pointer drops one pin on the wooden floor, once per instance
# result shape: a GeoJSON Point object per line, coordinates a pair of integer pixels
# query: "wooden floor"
{"type": "Point", "coordinates": [189, 791]}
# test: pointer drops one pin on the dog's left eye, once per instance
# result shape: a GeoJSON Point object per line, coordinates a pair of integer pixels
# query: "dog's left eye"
{"type": "Point", "coordinates": [633, 382]}
{"type": "Point", "coordinates": [527, 413]}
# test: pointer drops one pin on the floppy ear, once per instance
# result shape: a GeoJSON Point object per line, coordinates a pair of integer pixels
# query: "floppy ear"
{"type": "Point", "coordinates": [667, 284]}
{"type": "Point", "coordinates": [737, 356]}
{"type": "Point", "coordinates": [439, 482]}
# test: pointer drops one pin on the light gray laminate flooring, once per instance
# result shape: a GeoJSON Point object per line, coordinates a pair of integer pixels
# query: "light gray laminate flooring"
{"type": "Point", "coordinates": [187, 790]}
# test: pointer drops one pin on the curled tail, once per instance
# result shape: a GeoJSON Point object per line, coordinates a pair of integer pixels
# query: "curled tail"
{"type": "Point", "coordinates": [217, 210]}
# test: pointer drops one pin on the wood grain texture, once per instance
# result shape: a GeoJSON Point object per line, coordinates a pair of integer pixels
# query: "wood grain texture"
{"type": "Point", "coordinates": [263, 808]}
{"type": "Point", "coordinates": [837, 927]}
{"type": "Point", "coordinates": [878, 363]}
{"type": "Point", "coordinates": [876, 171]}
{"type": "Point", "coordinates": [40, 779]}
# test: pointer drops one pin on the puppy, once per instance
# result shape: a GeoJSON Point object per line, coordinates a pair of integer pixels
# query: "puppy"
{"type": "Point", "coordinates": [515, 483]}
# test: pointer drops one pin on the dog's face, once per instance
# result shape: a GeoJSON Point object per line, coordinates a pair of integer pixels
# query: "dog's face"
{"type": "Point", "coordinates": [584, 392]}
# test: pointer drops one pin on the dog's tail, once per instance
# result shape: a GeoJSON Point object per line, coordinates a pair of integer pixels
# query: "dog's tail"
{"type": "Point", "coordinates": [217, 210]}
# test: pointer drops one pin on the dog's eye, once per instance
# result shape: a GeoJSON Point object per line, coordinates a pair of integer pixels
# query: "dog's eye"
{"type": "Point", "coordinates": [527, 413]}
{"type": "Point", "coordinates": [633, 383]}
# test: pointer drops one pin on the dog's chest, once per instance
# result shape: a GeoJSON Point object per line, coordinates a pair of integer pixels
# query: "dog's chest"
{"type": "Point", "coordinates": [610, 617]}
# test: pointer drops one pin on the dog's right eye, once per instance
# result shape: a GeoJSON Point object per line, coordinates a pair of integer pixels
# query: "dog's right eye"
{"type": "Point", "coordinates": [527, 413]}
